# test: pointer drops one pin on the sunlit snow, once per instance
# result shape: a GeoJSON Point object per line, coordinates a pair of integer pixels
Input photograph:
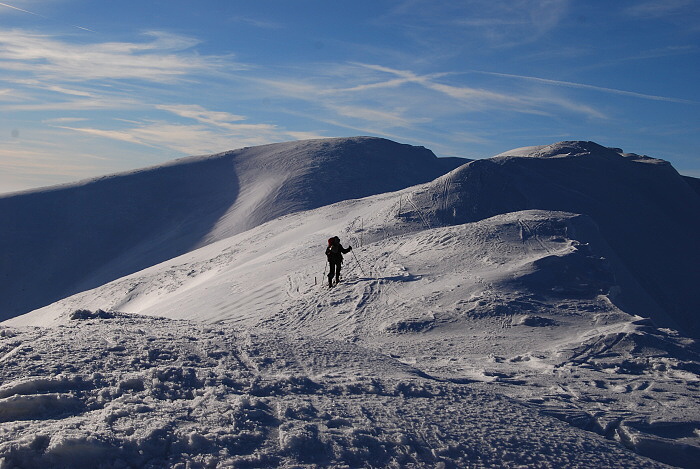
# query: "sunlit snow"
{"type": "Point", "coordinates": [535, 309]}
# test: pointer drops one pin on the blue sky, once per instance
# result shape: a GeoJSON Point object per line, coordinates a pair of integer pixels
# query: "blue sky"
{"type": "Point", "coordinates": [91, 87]}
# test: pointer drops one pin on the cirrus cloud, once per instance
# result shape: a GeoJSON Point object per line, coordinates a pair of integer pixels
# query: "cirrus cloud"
{"type": "Point", "coordinates": [163, 57]}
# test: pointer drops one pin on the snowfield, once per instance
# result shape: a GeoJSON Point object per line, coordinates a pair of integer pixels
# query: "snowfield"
{"type": "Point", "coordinates": [113, 390]}
{"type": "Point", "coordinates": [531, 310]}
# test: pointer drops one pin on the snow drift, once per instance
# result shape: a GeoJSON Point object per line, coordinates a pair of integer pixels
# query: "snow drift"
{"type": "Point", "coordinates": [62, 240]}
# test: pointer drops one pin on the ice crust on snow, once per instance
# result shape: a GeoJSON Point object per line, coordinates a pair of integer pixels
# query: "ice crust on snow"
{"type": "Point", "coordinates": [508, 313]}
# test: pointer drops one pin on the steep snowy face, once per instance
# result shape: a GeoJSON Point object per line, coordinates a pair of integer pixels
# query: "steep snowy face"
{"type": "Point", "coordinates": [645, 210]}
{"type": "Point", "coordinates": [62, 240]}
{"type": "Point", "coordinates": [283, 178]}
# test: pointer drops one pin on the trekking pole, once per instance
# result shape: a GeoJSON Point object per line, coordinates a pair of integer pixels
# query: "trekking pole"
{"type": "Point", "coordinates": [325, 266]}
{"type": "Point", "coordinates": [358, 263]}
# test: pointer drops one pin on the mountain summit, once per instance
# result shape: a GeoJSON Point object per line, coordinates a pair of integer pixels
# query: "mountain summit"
{"type": "Point", "coordinates": [647, 213]}
{"type": "Point", "coordinates": [62, 240]}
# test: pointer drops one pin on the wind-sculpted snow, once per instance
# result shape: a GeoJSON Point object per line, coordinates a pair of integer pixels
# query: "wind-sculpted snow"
{"type": "Point", "coordinates": [646, 212]}
{"type": "Point", "coordinates": [114, 390]}
{"type": "Point", "coordinates": [59, 241]}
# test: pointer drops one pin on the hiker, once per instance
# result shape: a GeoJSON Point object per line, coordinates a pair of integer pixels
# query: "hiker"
{"type": "Point", "coordinates": [335, 252]}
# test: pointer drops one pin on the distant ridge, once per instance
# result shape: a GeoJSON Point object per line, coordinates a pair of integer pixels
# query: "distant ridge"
{"type": "Point", "coordinates": [61, 240]}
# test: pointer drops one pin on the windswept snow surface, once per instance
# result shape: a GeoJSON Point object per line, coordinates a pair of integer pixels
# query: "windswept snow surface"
{"type": "Point", "coordinates": [63, 240]}
{"type": "Point", "coordinates": [479, 323]}
{"type": "Point", "coordinates": [111, 390]}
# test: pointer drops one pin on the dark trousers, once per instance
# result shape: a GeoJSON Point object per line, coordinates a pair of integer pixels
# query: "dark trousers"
{"type": "Point", "coordinates": [334, 272]}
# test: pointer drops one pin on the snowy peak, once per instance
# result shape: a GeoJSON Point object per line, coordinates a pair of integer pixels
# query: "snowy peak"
{"type": "Point", "coordinates": [559, 149]}
{"type": "Point", "coordinates": [646, 211]}
{"type": "Point", "coordinates": [576, 149]}
{"type": "Point", "coordinates": [562, 150]}
{"type": "Point", "coordinates": [70, 238]}
{"type": "Point", "coordinates": [282, 178]}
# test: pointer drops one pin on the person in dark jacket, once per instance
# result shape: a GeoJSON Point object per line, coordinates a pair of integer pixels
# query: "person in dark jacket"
{"type": "Point", "coordinates": [335, 252]}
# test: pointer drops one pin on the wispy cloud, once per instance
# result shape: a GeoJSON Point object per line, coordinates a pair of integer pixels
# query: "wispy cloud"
{"type": "Point", "coordinates": [71, 92]}
{"type": "Point", "coordinates": [377, 116]}
{"type": "Point", "coordinates": [13, 7]}
{"type": "Point", "coordinates": [43, 163]}
{"type": "Point", "coordinates": [183, 139]}
{"type": "Point", "coordinates": [660, 8]}
{"type": "Point", "coordinates": [162, 57]}
{"type": "Point", "coordinates": [200, 114]}
{"type": "Point", "coordinates": [590, 87]}
{"type": "Point", "coordinates": [479, 99]}
{"type": "Point", "coordinates": [64, 120]}
{"type": "Point", "coordinates": [258, 23]}
{"type": "Point", "coordinates": [483, 22]}
{"type": "Point", "coordinates": [680, 15]}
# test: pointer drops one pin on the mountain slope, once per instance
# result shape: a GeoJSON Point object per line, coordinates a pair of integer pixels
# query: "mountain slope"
{"type": "Point", "coordinates": [644, 209]}
{"type": "Point", "coordinates": [516, 304]}
{"type": "Point", "coordinates": [66, 239]}
{"type": "Point", "coordinates": [453, 287]}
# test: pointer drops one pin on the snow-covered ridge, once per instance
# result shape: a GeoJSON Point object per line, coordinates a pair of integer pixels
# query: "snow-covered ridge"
{"type": "Point", "coordinates": [646, 213]}
{"type": "Point", "coordinates": [645, 210]}
{"type": "Point", "coordinates": [69, 238]}
{"type": "Point", "coordinates": [496, 316]}
{"type": "Point", "coordinates": [573, 149]}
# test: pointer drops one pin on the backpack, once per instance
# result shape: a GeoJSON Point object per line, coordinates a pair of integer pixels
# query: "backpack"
{"type": "Point", "coordinates": [332, 248]}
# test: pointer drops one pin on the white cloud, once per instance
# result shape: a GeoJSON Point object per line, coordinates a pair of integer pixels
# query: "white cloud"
{"type": "Point", "coordinates": [263, 24]}
{"type": "Point", "coordinates": [199, 113]}
{"type": "Point", "coordinates": [162, 58]}
{"type": "Point", "coordinates": [203, 138]}
{"type": "Point", "coordinates": [10, 94]}
{"type": "Point", "coordinates": [40, 163]}
{"type": "Point", "coordinates": [34, 104]}
{"type": "Point", "coordinates": [476, 99]}
{"type": "Point", "coordinates": [377, 116]}
{"type": "Point", "coordinates": [63, 120]}
{"type": "Point", "coordinates": [72, 92]}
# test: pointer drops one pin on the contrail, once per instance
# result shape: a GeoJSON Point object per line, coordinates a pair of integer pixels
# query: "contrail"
{"type": "Point", "coordinates": [590, 87]}
{"type": "Point", "coordinates": [84, 29]}
{"type": "Point", "coordinates": [40, 16]}
{"type": "Point", "coordinates": [19, 9]}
